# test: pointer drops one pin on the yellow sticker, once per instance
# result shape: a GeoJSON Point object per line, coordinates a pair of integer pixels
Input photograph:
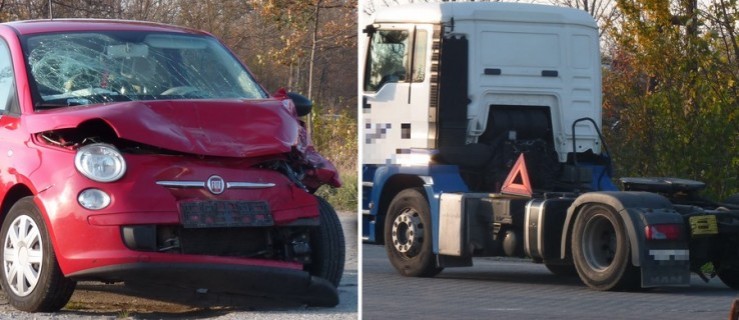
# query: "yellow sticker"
{"type": "Point", "coordinates": [702, 225]}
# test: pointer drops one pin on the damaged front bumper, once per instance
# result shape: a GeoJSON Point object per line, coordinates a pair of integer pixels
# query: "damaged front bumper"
{"type": "Point", "coordinates": [257, 281]}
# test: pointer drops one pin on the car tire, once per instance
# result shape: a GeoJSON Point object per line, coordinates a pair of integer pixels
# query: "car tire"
{"type": "Point", "coordinates": [40, 286]}
{"type": "Point", "coordinates": [408, 235]}
{"type": "Point", "coordinates": [601, 251]}
{"type": "Point", "coordinates": [328, 246]}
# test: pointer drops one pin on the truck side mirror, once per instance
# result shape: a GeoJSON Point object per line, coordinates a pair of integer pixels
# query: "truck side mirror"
{"type": "Point", "coordinates": [303, 105]}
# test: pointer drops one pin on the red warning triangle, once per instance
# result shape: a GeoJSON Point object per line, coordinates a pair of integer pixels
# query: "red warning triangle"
{"type": "Point", "coordinates": [518, 182]}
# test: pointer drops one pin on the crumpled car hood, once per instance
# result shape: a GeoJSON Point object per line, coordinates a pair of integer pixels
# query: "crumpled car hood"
{"type": "Point", "coordinates": [227, 128]}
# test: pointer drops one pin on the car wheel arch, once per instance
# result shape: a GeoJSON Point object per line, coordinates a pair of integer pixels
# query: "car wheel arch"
{"type": "Point", "coordinates": [18, 192]}
{"type": "Point", "coordinates": [15, 193]}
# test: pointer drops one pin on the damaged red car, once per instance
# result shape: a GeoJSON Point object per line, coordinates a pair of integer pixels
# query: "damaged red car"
{"type": "Point", "coordinates": [148, 154]}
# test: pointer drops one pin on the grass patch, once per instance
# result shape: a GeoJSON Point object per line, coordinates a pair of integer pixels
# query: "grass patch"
{"type": "Point", "coordinates": [344, 198]}
{"type": "Point", "coordinates": [76, 306]}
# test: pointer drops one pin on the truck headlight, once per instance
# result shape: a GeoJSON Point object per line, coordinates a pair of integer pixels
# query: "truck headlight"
{"type": "Point", "coordinates": [100, 162]}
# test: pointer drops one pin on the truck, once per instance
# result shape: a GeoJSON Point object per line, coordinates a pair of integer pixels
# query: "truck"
{"type": "Point", "coordinates": [482, 136]}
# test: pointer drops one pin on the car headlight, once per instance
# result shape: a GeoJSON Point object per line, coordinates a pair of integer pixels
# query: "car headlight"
{"type": "Point", "coordinates": [100, 162]}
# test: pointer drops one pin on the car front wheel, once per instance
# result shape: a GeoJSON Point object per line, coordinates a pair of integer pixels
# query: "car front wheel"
{"type": "Point", "coordinates": [328, 245]}
{"type": "Point", "coordinates": [31, 276]}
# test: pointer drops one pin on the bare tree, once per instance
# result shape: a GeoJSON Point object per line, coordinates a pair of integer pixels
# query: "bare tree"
{"type": "Point", "coordinates": [604, 12]}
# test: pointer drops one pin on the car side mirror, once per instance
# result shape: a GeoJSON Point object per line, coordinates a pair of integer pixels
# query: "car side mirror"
{"type": "Point", "coordinates": [303, 105]}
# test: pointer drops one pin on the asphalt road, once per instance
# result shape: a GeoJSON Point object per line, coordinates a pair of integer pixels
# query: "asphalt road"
{"type": "Point", "coordinates": [503, 288]}
{"type": "Point", "coordinates": [99, 301]}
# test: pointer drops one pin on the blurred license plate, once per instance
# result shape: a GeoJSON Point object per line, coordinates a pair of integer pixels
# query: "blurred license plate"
{"type": "Point", "coordinates": [703, 225]}
{"type": "Point", "coordinates": [225, 213]}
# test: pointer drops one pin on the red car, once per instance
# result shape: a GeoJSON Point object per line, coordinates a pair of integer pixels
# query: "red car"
{"type": "Point", "coordinates": [148, 154]}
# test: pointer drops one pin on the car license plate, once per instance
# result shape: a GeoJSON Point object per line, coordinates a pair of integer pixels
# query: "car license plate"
{"type": "Point", "coordinates": [703, 225]}
{"type": "Point", "coordinates": [225, 213]}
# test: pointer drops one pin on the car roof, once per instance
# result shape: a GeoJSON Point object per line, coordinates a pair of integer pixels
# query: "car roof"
{"type": "Point", "coordinates": [77, 25]}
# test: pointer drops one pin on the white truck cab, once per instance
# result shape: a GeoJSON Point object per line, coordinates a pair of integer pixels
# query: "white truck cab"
{"type": "Point", "coordinates": [436, 74]}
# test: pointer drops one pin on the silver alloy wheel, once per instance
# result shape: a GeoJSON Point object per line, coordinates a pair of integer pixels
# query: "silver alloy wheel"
{"type": "Point", "coordinates": [23, 255]}
{"type": "Point", "coordinates": [599, 243]}
{"type": "Point", "coordinates": [407, 233]}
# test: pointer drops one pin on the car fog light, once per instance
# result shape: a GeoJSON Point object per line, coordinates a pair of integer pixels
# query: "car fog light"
{"type": "Point", "coordinates": [93, 199]}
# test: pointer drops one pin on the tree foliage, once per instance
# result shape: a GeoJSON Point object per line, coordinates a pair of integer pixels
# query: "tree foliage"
{"type": "Point", "coordinates": [338, 132]}
{"type": "Point", "coordinates": [670, 95]}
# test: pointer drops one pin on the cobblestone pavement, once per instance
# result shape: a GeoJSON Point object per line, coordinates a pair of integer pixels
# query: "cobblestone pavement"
{"type": "Point", "coordinates": [502, 288]}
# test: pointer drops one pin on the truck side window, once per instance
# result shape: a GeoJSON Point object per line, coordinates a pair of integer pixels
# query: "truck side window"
{"type": "Point", "coordinates": [7, 80]}
{"type": "Point", "coordinates": [388, 58]}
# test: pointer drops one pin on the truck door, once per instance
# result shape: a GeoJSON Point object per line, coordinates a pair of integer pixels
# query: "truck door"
{"type": "Point", "coordinates": [396, 92]}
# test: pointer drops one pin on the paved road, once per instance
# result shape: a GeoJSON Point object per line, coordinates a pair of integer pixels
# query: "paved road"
{"type": "Point", "coordinates": [99, 301]}
{"type": "Point", "coordinates": [497, 288]}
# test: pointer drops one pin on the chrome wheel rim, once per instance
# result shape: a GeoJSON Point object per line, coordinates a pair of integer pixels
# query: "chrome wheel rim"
{"type": "Point", "coordinates": [23, 255]}
{"type": "Point", "coordinates": [407, 233]}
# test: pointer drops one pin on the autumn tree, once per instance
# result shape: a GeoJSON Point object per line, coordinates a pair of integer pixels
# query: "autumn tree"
{"type": "Point", "coordinates": [311, 31]}
{"type": "Point", "coordinates": [669, 98]}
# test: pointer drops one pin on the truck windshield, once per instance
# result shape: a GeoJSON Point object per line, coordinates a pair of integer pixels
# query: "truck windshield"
{"type": "Point", "coordinates": [97, 67]}
{"type": "Point", "coordinates": [388, 59]}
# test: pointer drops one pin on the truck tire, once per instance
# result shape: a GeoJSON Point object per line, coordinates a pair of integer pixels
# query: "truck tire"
{"type": "Point", "coordinates": [408, 235]}
{"type": "Point", "coordinates": [327, 244]}
{"type": "Point", "coordinates": [601, 251]}
{"type": "Point", "coordinates": [729, 276]}
{"type": "Point", "coordinates": [30, 275]}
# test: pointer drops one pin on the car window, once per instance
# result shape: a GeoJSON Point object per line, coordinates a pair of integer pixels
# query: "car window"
{"type": "Point", "coordinates": [7, 80]}
{"type": "Point", "coordinates": [86, 68]}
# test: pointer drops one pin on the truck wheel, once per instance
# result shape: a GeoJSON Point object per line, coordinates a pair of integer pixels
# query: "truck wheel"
{"type": "Point", "coordinates": [601, 251]}
{"type": "Point", "coordinates": [408, 235]}
{"type": "Point", "coordinates": [729, 276]}
{"type": "Point", "coordinates": [727, 267]}
{"type": "Point", "coordinates": [327, 243]}
{"type": "Point", "coordinates": [31, 276]}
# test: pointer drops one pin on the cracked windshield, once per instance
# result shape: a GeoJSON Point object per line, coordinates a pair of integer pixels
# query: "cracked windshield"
{"type": "Point", "coordinates": [89, 68]}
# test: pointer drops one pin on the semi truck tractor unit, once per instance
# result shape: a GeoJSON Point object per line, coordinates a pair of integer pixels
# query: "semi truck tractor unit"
{"type": "Point", "coordinates": [482, 137]}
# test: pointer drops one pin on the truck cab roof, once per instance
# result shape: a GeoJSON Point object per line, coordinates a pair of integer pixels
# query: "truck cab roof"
{"type": "Point", "coordinates": [498, 11]}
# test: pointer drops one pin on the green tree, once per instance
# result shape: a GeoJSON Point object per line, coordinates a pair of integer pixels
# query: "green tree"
{"type": "Point", "coordinates": [669, 97]}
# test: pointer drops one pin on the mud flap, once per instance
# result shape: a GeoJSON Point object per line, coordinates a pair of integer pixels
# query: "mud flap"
{"type": "Point", "coordinates": [665, 267]}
